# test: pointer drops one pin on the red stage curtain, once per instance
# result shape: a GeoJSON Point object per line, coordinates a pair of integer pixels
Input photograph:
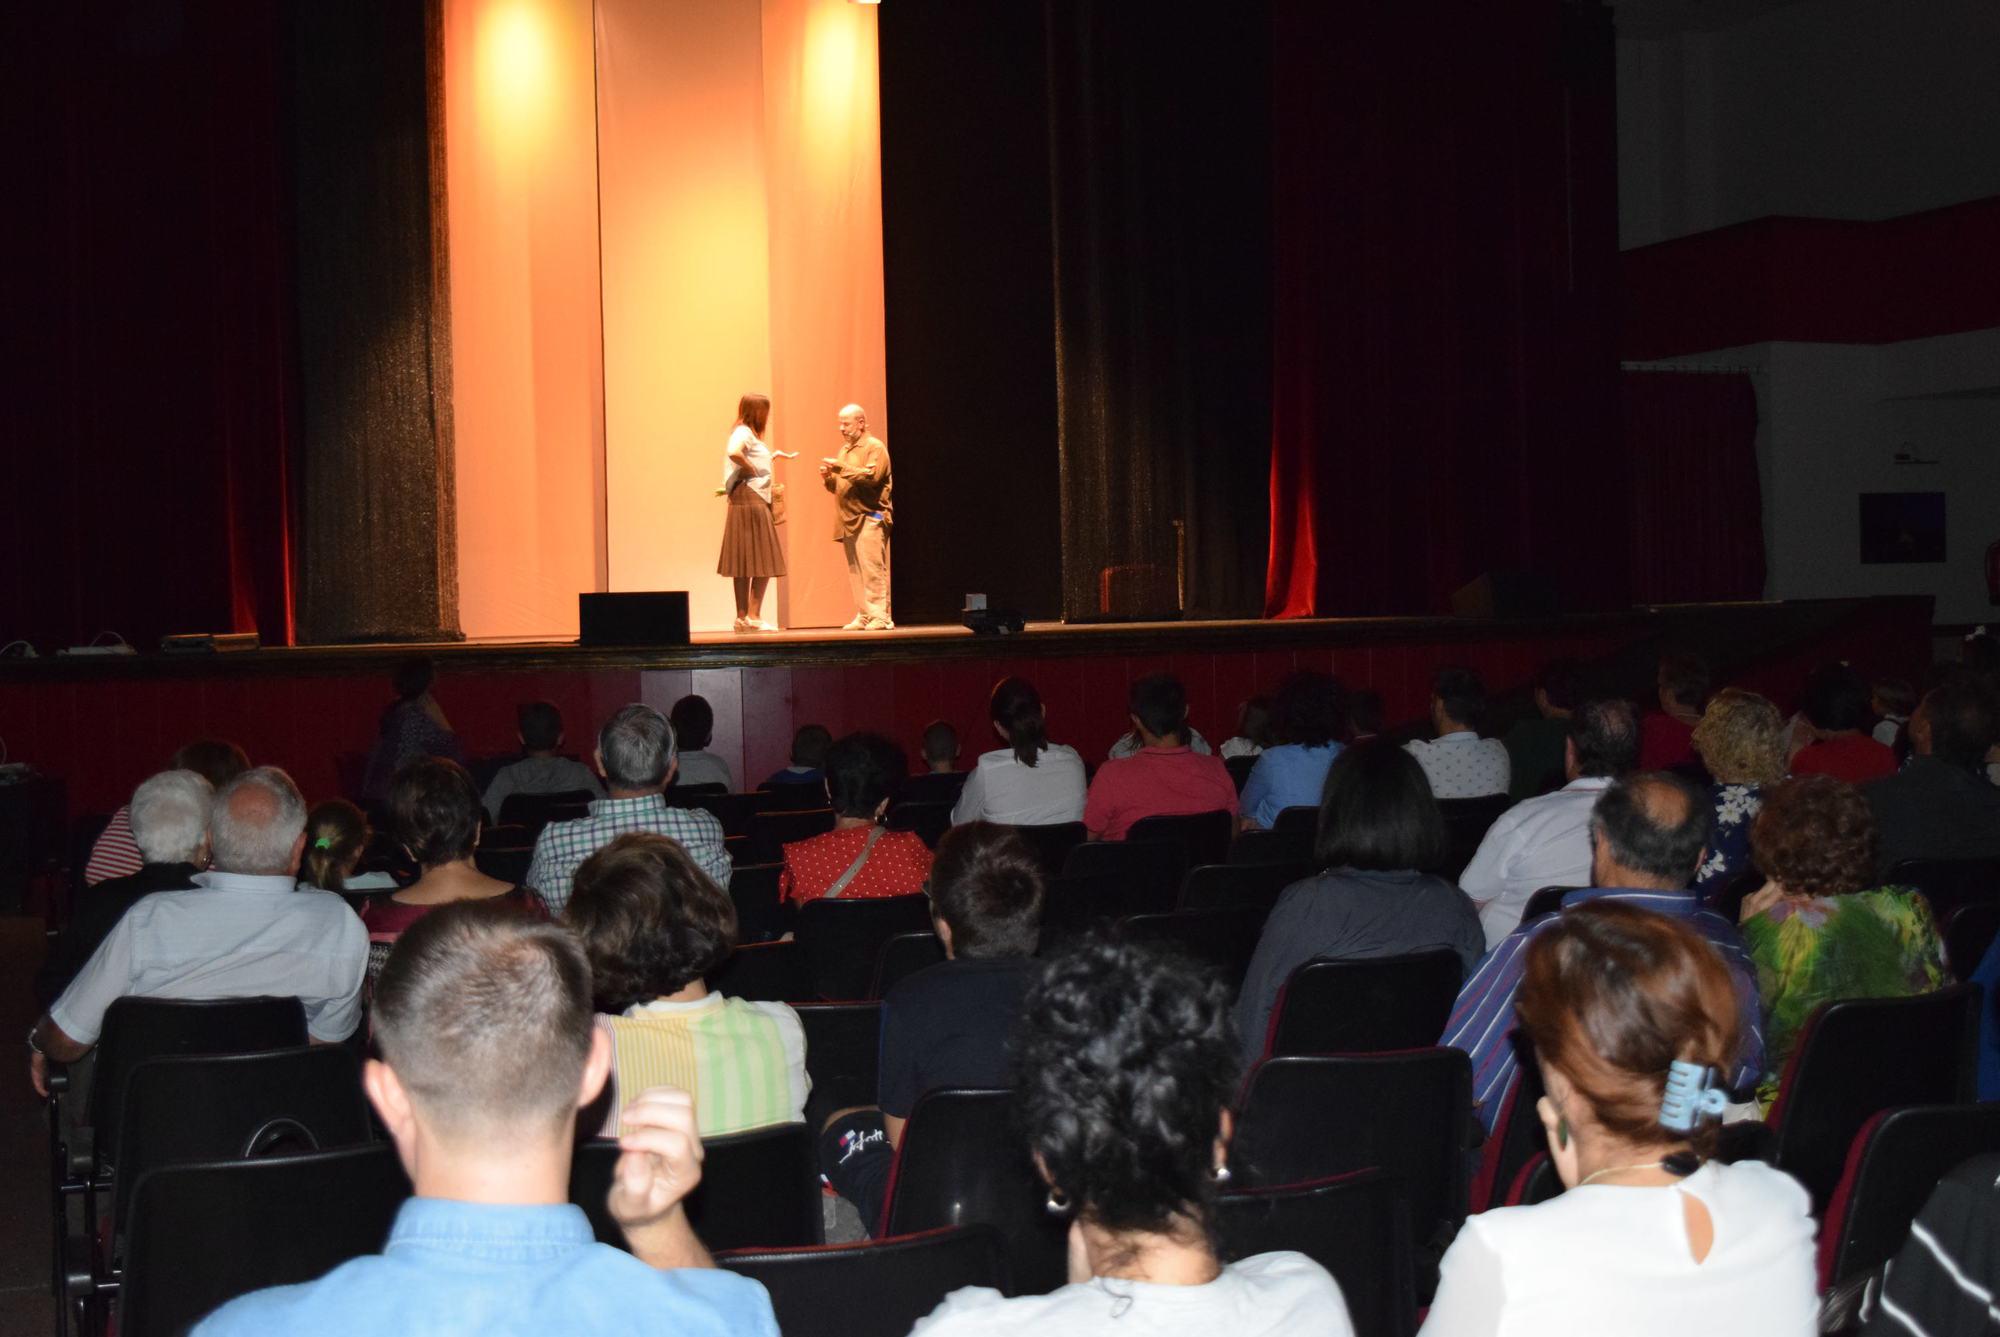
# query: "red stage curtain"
{"type": "Point", "coordinates": [149, 413]}
{"type": "Point", "coordinates": [1697, 525]}
{"type": "Point", "coordinates": [1443, 355]}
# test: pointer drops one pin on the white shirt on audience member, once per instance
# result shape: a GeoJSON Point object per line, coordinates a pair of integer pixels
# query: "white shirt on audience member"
{"type": "Point", "coordinates": [1001, 789]}
{"type": "Point", "coordinates": [1270, 1295]}
{"type": "Point", "coordinates": [1608, 1258]}
{"type": "Point", "coordinates": [1462, 764]}
{"type": "Point", "coordinates": [235, 936]}
{"type": "Point", "coordinates": [1539, 842]}
{"type": "Point", "coordinates": [703, 768]}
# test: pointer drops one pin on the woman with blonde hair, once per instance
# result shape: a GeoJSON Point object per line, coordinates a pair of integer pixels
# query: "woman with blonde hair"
{"type": "Point", "coordinates": [1741, 739]}
{"type": "Point", "coordinates": [1633, 1019]}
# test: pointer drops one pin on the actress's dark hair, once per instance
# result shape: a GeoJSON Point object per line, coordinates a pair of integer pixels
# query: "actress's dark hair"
{"type": "Point", "coordinates": [694, 723]}
{"type": "Point", "coordinates": [754, 412]}
{"type": "Point", "coordinates": [435, 811]}
{"type": "Point", "coordinates": [1124, 1059]}
{"type": "Point", "coordinates": [649, 918]}
{"type": "Point", "coordinates": [1377, 812]}
{"type": "Point", "coordinates": [1310, 708]}
{"type": "Point", "coordinates": [1017, 708]}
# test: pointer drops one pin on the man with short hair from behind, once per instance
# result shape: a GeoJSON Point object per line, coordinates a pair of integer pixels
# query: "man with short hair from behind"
{"type": "Point", "coordinates": [636, 753]}
{"type": "Point", "coordinates": [947, 1025]}
{"type": "Point", "coordinates": [542, 769]}
{"type": "Point", "coordinates": [1545, 841]}
{"type": "Point", "coordinates": [941, 747]}
{"type": "Point", "coordinates": [169, 822]}
{"type": "Point", "coordinates": [247, 930]}
{"type": "Point", "coordinates": [1648, 834]}
{"type": "Point", "coordinates": [1940, 805]}
{"type": "Point", "coordinates": [481, 1101]}
{"type": "Point", "coordinates": [1458, 762]}
{"type": "Point", "coordinates": [1166, 777]}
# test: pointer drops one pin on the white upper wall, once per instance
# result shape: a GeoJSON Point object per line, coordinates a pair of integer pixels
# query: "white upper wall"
{"type": "Point", "coordinates": [1857, 109]}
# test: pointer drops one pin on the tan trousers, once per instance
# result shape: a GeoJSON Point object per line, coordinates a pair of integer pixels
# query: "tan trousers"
{"type": "Point", "coordinates": [867, 554]}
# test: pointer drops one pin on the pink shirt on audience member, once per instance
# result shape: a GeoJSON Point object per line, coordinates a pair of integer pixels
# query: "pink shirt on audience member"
{"type": "Point", "coordinates": [1155, 782]}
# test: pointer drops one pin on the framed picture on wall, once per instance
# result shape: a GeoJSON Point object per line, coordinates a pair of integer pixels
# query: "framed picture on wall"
{"type": "Point", "coordinates": [1902, 527]}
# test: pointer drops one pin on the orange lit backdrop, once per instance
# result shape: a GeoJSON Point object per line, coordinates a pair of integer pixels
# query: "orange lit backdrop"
{"type": "Point", "coordinates": [726, 157]}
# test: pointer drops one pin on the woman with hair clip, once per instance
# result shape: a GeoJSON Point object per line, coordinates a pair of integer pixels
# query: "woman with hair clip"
{"type": "Point", "coordinates": [1633, 1016]}
{"type": "Point", "coordinates": [1124, 1065]}
{"type": "Point", "coordinates": [751, 557]}
{"type": "Point", "coordinates": [337, 837]}
{"type": "Point", "coordinates": [1031, 781]}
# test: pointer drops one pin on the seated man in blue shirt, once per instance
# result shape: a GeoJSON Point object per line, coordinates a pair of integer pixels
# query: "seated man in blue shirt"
{"type": "Point", "coordinates": [484, 1021]}
{"type": "Point", "coordinates": [1648, 835]}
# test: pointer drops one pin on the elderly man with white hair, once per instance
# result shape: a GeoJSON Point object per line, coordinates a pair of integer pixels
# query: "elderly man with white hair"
{"type": "Point", "coordinates": [168, 819]}
{"type": "Point", "coordinates": [858, 477]}
{"type": "Point", "coordinates": [243, 931]}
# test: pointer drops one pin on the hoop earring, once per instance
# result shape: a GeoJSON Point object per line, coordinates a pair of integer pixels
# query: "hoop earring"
{"type": "Point", "coordinates": [1220, 1174]}
{"type": "Point", "coordinates": [1058, 1203]}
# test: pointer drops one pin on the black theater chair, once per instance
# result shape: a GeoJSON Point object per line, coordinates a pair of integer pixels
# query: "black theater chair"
{"type": "Point", "coordinates": [1896, 1160]}
{"type": "Point", "coordinates": [1051, 843]}
{"type": "Point", "coordinates": [1302, 820]}
{"type": "Point", "coordinates": [1290, 848]}
{"type": "Point", "coordinates": [535, 811]}
{"type": "Point", "coordinates": [204, 1234]}
{"type": "Point", "coordinates": [1225, 938]}
{"type": "Point", "coordinates": [929, 820]}
{"type": "Point", "coordinates": [1968, 934]}
{"type": "Point", "coordinates": [1545, 901]}
{"type": "Point", "coordinates": [903, 956]}
{"type": "Point", "coordinates": [760, 914]}
{"type": "Point", "coordinates": [843, 1056]}
{"type": "Point", "coordinates": [1354, 1225]}
{"type": "Point", "coordinates": [764, 972]}
{"type": "Point", "coordinates": [1257, 885]}
{"type": "Point", "coordinates": [1949, 883]}
{"type": "Point", "coordinates": [759, 1189]}
{"type": "Point", "coordinates": [932, 787]}
{"type": "Point", "coordinates": [1366, 1006]}
{"type": "Point", "coordinates": [734, 811]}
{"type": "Point", "coordinates": [1148, 875]}
{"type": "Point", "coordinates": [842, 939]}
{"type": "Point", "coordinates": [963, 1161]}
{"type": "Point", "coordinates": [1203, 837]}
{"type": "Point", "coordinates": [771, 831]}
{"type": "Point", "coordinates": [1466, 821]}
{"type": "Point", "coordinates": [794, 797]}
{"type": "Point", "coordinates": [878, 1288]}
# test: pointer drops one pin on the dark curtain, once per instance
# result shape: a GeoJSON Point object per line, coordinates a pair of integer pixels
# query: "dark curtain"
{"type": "Point", "coordinates": [146, 431]}
{"type": "Point", "coordinates": [379, 541]}
{"type": "Point", "coordinates": [1444, 370]}
{"type": "Point", "coordinates": [1159, 135]}
{"type": "Point", "coordinates": [970, 327]}
{"type": "Point", "coordinates": [1697, 524]}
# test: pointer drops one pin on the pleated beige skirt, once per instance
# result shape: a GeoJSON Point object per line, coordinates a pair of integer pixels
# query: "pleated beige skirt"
{"type": "Point", "coordinates": [749, 539]}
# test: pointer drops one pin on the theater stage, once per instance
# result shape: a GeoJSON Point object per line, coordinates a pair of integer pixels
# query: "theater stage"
{"type": "Point", "coordinates": [103, 724]}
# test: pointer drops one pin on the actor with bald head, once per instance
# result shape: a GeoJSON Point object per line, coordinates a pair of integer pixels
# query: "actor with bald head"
{"type": "Point", "coordinates": [858, 478]}
{"type": "Point", "coordinates": [247, 929]}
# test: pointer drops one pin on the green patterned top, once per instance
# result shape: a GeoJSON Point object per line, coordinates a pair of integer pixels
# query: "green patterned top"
{"type": "Point", "coordinates": [1872, 944]}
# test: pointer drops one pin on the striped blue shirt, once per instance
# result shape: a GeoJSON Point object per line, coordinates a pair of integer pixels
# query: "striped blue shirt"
{"type": "Point", "coordinates": [1482, 1021]}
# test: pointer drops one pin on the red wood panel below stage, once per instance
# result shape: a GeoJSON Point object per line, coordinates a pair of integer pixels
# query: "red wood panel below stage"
{"type": "Point", "coordinates": [105, 726]}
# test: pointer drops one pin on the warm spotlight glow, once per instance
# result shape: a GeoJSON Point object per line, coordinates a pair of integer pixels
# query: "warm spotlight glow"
{"type": "Point", "coordinates": [514, 74]}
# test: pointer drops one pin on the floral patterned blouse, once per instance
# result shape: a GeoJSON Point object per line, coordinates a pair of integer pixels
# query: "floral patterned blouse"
{"type": "Point", "coordinates": [1871, 944]}
{"type": "Point", "coordinates": [1729, 847]}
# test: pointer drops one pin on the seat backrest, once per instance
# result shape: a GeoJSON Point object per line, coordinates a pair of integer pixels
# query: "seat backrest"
{"type": "Point", "coordinates": [220, 1107]}
{"type": "Point", "coordinates": [1895, 1162]}
{"type": "Point", "coordinates": [504, 863]}
{"type": "Point", "coordinates": [771, 831]}
{"type": "Point", "coordinates": [1225, 939]}
{"type": "Point", "coordinates": [1074, 903]}
{"type": "Point", "coordinates": [1239, 770]}
{"type": "Point", "coordinates": [1859, 1056]}
{"type": "Point", "coordinates": [1148, 874]}
{"type": "Point", "coordinates": [902, 956]}
{"type": "Point", "coordinates": [1969, 933]}
{"type": "Point", "coordinates": [877, 1288]}
{"type": "Point", "coordinates": [1517, 1136]}
{"type": "Point", "coordinates": [1546, 901]}
{"type": "Point", "coordinates": [843, 938]}
{"type": "Point", "coordinates": [136, 1029]}
{"type": "Point", "coordinates": [535, 811]}
{"type": "Point", "coordinates": [1279, 847]}
{"type": "Point", "coordinates": [963, 1161]}
{"type": "Point", "coordinates": [764, 972]}
{"type": "Point", "coordinates": [1949, 883]}
{"type": "Point", "coordinates": [794, 797]}
{"type": "Point", "coordinates": [679, 795]}
{"type": "Point", "coordinates": [1051, 843]}
{"type": "Point", "coordinates": [1300, 820]}
{"type": "Point", "coordinates": [760, 914]}
{"type": "Point", "coordinates": [1212, 886]}
{"type": "Point", "coordinates": [1354, 1225]}
{"type": "Point", "coordinates": [199, 1235]}
{"type": "Point", "coordinates": [843, 1056]}
{"type": "Point", "coordinates": [932, 787]}
{"type": "Point", "coordinates": [1465, 824]}
{"type": "Point", "coordinates": [758, 1189]}
{"type": "Point", "coordinates": [930, 820]}
{"type": "Point", "coordinates": [1366, 1006]}
{"type": "Point", "coordinates": [1409, 1114]}
{"type": "Point", "coordinates": [734, 811]}
{"type": "Point", "coordinates": [1203, 836]}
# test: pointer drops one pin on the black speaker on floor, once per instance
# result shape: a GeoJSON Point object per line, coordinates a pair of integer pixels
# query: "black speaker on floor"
{"type": "Point", "coordinates": [1508, 595]}
{"type": "Point", "coordinates": [653, 618]}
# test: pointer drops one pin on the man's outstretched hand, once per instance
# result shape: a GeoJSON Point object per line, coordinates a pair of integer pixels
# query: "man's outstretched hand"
{"type": "Point", "coordinates": [659, 1167]}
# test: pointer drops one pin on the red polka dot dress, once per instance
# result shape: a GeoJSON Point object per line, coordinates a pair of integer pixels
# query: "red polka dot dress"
{"type": "Point", "coordinates": [897, 866]}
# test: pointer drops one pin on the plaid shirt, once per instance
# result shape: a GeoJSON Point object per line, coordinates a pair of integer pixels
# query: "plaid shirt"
{"type": "Point", "coordinates": [1483, 1023]}
{"type": "Point", "coordinates": [563, 846]}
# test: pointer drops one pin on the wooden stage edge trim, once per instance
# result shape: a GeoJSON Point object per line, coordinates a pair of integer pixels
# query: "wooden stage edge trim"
{"type": "Point", "coordinates": [916, 644]}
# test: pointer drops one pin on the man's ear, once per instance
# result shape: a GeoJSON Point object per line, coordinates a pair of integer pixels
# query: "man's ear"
{"type": "Point", "coordinates": [673, 769]}
{"type": "Point", "coordinates": [597, 762]}
{"type": "Point", "coordinates": [596, 1068]}
{"type": "Point", "coordinates": [1225, 1133]}
{"type": "Point", "coordinates": [298, 853]}
{"type": "Point", "coordinates": [391, 1101]}
{"type": "Point", "coordinates": [944, 934]}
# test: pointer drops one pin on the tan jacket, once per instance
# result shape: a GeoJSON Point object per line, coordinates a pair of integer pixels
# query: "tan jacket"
{"type": "Point", "coordinates": [860, 484]}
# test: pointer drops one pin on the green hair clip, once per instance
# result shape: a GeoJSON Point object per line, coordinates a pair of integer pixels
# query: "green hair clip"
{"type": "Point", "coordinates": [323, 843]}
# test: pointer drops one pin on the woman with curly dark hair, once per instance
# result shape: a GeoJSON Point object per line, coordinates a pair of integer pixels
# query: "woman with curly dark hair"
{"type": "Point", "coordinates": [654, 924]}
{"type": "Point", "coordinates": [1124, 1066]}
{"type": "Point", "coordinates": [1634, 1023]}
{"type": "Point", "coordinates": [1814, 931]}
